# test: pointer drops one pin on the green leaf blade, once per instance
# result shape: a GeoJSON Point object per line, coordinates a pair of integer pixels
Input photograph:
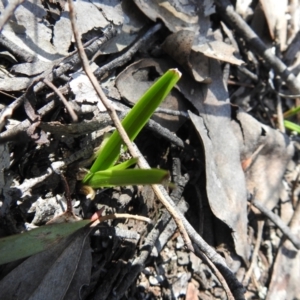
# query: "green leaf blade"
{"type": "Point", "coordinates": [292, 126]}
{"type": "Point", "coordinates": [110, 178]}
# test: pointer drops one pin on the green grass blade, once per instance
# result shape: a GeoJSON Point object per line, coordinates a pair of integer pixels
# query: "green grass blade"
{"type": "Point", "coordinates": [292, 126]}
{"type": "Point", "coordinates": [125, 165]}
{"type": "Point", "coordinates": [291, 112]}
{"type": "Point", "coordinates": [136, 119]}
{"type": "Point", "coordinates": [36, 240]}
{"type": "Point", "coordinates": [109, 178]}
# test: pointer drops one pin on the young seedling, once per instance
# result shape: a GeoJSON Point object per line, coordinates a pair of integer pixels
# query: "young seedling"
{"type": "Point", "coordinates": [105, 172]}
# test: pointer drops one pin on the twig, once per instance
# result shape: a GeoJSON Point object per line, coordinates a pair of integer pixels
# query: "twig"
{"type": "Point", "coordinates": [172, 112]}
{"type": "Point", "coordinates": [256, 45]}
{"type": "Point", "coordinates": [20, 128]}
{"type": "Point", "coordinates": [121, 60]}
{"type": "Point", "coordinates": [21, 54]}
{"type": "Point", "coordinates": [120, 216]}
{"type": "Point", "coordinates": [219, 276]}
{"type": "Point", "coordinates": [63, 99]}
{"type": "Point", "coordinates": [278, 222]}
{"type": "Point", "coordinates": [260, 226]}
{"type": "Point", "coordinates": [139, 262]}
{"type": "Point", "coordinates": [67, 194]}
{"type": "Point", "coordinates": [280, 119]}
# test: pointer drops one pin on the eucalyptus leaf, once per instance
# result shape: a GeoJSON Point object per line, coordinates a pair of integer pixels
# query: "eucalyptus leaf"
{"type": "Point", "coordinates": [36, 240]}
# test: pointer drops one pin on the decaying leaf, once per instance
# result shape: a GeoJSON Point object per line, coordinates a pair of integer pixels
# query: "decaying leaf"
{"type": "Point", "coordinates": [276, 19]}
{"type": "Point", "coordinates": [265, 153]}
{"type": "Point", "coordinates": [58, 273]}
{"type": "Point", "coordinates": [238, 154]}
{"type": "Point", "coordinates": [31, 69]}
{"type": "Point", "coordinates": [190, 44]}
{"type": "Point", "coordinates": [218, 50]}
{"type": "Point", "coordinates": [179, 46]}
{"type": "Point", "coordinates": [225, 181]}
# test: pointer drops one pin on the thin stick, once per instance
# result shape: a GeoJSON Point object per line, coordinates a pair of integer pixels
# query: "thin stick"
{"type": "Point", "coordinates": [118, 125]}
{"type": "Point", "coordinates": [278, 222]}
{"type": "Point", "coordinates": [120, 216]}
{"type": "Point", "coordinates": [67, 194]}
{"type": "Point", "coordinates": [127, 56]}
{"type": "Point", "coordinates": [218, 275]}
{"type": "Point", "coordinates": [260, 226]}
{"type": "Point", "coordinates": [62, 98]}
{"type": "Point", "coordinates": [227, 12]}
{"type": "Point", "coordinates": [280, 119]}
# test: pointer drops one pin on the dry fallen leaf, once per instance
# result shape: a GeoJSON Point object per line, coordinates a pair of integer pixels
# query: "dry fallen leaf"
{"type": "Point", "coordinates": [179, 46]}
{"type": "Point", "coordinates": [225, 181]}
{"type": "Point", "coordinates": [265, 153]}
{"type": "Point", "coordinates": [275, 12]}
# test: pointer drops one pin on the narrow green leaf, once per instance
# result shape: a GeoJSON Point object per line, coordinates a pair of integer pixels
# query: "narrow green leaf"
{"type": "Point", "coordinates": [136, 119]}
{"type": "Point", "coordinates": [291, 112]}
{"type": "Point", "coordinates": [292, 126]}
{"type": "Point", "coordinates": [125, 165]}
{"type": "Point", "coordinates": [36, 240]}
{"type": "Point", "coordinates": [109, 178]}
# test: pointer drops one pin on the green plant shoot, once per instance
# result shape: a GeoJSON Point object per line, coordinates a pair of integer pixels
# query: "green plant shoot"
{"type": "Point", "coordinates": [292, 126]}
{"type": "Point", "coordinates": [104, 172]}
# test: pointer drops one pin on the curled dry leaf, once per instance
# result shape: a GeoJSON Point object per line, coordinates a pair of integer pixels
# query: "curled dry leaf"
{"type": "Point", "coordinates": [175, 15]}
{"type": "Point", "coordinates": [275, 12]}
